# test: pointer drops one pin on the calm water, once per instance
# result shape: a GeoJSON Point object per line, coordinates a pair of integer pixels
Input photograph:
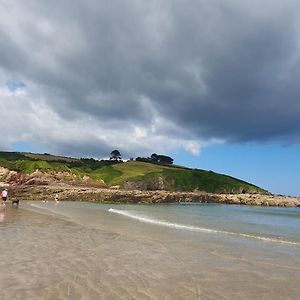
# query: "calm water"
{"type": "Point", "coordinates": [76, 250]}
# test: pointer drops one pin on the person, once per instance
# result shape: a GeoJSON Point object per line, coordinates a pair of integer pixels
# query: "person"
{"type": "Point", "coordinates": [4, 195]}
{"type": "Point", "coordinates": [56, 198]}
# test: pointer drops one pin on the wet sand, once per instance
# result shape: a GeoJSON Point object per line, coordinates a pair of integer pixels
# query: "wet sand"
{"type": "Point", "coordinates": [45, 256]}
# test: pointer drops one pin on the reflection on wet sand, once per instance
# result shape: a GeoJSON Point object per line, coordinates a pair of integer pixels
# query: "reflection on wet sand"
{"type": "Point", "coordinates": [7, 212]}
{"type": "Point", "coordinates": [2, 212]}
{"type": "Point", "coordinates": [54, 258]}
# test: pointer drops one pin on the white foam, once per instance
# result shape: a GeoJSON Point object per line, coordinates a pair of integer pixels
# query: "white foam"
{"type": "Point", "coordinates": [196, 228]}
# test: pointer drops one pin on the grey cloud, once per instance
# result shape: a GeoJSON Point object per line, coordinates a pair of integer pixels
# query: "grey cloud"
{"type": "Point", "coordinates": [213, 69]}
{"type": "Point", "coordinates": [10, 56]}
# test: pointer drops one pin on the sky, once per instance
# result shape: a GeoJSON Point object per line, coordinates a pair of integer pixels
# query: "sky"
{"type": "Point", "coordinates": [212, 83]}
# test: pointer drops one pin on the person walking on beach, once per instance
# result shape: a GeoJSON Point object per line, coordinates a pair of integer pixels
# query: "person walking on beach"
{"type": "Point", "coordinates": [4, 195]}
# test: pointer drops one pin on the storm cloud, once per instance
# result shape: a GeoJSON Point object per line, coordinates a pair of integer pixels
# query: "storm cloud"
{"type": "Point", "coordinates": [145, 76]}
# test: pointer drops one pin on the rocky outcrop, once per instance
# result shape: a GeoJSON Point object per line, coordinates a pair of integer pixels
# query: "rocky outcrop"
{"type": "Point", "coordinates": [8, 176]}
{"type": "Point", "coordinates": [260, 200]}
{"type": "Point", "coordinates": [103, 195]}
{"type": "Point", "coordinates": [45, 178]}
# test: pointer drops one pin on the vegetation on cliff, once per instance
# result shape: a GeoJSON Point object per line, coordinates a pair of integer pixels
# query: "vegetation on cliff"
{"type": "Point", "coordinates": [26, 168]}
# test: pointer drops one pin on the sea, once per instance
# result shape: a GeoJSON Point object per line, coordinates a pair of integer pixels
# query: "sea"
{"type": "Point", "coordinates": [81, 250]}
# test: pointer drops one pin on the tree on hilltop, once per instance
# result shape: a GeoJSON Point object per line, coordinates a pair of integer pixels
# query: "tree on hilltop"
{"type": "Point", "coordinates": [163, 159]}
{"type": "Point", "coordinates": [154, 157]}
{"type": "Point", "coordinates": [157, 159]}
{"type": "Point", "coordinates": [115, 155]}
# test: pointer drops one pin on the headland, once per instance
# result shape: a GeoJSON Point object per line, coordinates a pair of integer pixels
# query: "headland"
{"type": "Point", "coordinates": [31, 176]}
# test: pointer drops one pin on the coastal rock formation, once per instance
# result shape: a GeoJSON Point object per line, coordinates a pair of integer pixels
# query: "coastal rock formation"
{"type": "Point", "coordinates": [8, 176]}
{"type": "Point", "coordinates": [260, 200]}
{"type": "Point", "coordinates": [105, 195]}
{"type": "Point", "coordinates": [155, 185]}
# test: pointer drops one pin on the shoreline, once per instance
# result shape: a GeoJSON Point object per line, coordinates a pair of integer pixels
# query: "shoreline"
{"type": "Point", "coordinates": [66, 192]}
{"type": "Point", "coordinates": [97, 255]}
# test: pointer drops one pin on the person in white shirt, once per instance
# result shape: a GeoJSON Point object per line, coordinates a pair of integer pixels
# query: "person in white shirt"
{"type": "Point", "coordinates": [4, 195]}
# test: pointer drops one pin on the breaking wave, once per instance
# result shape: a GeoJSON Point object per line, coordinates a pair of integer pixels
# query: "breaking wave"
{"type": "Point", "coordinates": [196, 228]}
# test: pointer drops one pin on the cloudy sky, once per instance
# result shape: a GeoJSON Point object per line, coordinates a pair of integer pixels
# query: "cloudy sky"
{"type": "Point", "coordinates": [216, 84]}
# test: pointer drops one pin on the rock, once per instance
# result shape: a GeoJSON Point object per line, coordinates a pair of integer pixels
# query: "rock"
{"type": "Point", "coordinates": [115, 187]}
{"type": "Point", "coordinates": [39, 189]}
{"type": "Point", "coordinates": [36, 181]}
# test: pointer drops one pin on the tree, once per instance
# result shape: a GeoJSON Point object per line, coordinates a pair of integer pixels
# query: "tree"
{"type": "Point", "coordinates": [157, 159]}
{"type": "Point", "coordinates": [143, 159]}
{"type": "Point", "coordinates": [115, 155]}
{"type": "Point", "coordinates": [154, 157]}
{"type": "Point", "coordinates": [163, 159]}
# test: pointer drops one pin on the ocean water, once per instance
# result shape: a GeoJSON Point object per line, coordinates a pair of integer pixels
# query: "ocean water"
{"type": "Point", "coordinates": [78, 250]}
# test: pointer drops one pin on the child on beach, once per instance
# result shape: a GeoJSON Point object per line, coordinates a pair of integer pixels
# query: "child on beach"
{"type": "Point", "coordinates": [56, 198]}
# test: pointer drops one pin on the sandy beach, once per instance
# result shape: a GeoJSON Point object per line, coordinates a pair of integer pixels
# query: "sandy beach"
{"type": "Point", "coordinates": [82, 251]}
{"type": "Point", "coordinates": [149, 150]}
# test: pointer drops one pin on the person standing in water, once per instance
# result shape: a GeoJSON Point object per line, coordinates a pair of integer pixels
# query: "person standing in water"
{"type": "Point", "coordinates": [4, 195]}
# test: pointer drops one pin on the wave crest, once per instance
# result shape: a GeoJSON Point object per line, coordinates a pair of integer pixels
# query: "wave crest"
{"type": "Point", "coordinates": [196, 228]}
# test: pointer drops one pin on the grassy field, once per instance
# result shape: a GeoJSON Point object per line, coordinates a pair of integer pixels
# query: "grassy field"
{"type": "Point", "coordinates": [48, 157]}
{"type": "Point", "coordinates": [111, 173]}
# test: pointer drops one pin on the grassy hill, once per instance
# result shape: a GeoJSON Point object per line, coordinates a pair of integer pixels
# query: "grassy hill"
{"type": "Point", "coordinates": [132, 174]}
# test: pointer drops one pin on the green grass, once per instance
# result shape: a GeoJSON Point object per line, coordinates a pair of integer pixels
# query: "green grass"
{"type": "Point", "coordinates": [48, 157]}
{"type": "Point", "coordinates": [188, 180]}
{"type": "Point", "coordinates": [29, 166]}
{"type": "Point", "coordinates": [108, 174]}
{"type": "Point", "coordinates": [119, 173]}
{"type": "Point", "coordinates": [181, 178]}
{"type": "Point", "coordinates": [136, 169]}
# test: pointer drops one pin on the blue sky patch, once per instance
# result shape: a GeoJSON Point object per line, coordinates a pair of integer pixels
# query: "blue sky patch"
{"type": "Point", "coordinates": [15, 85]}
{"type": "Point", "coordinates": [24, 146]}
